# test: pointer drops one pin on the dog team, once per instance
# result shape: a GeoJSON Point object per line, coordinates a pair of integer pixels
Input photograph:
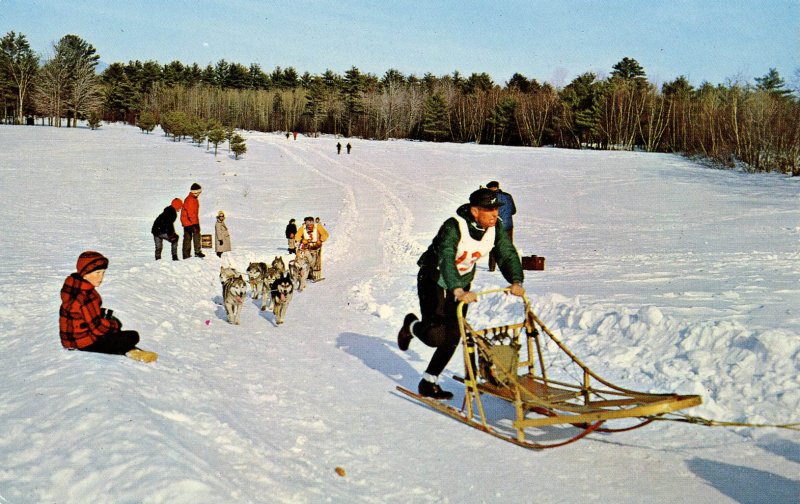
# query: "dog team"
{"type": "Point", "coordinates": [275, 283]}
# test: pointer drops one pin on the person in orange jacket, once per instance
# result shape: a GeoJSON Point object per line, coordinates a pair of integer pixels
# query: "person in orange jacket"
{"type": "Point", "coordinates": [190, 219]}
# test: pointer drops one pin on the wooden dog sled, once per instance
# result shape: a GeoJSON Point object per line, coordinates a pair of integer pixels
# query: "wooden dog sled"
{"type": "Point", "coordinates": [548, 387]}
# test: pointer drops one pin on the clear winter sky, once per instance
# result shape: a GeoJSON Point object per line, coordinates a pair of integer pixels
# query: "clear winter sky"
{"type": "Point", "coordinates": [554, 41]}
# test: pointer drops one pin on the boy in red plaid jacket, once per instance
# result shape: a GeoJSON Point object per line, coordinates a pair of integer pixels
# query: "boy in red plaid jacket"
{"type": "Point", "coordinates": [83, 322]}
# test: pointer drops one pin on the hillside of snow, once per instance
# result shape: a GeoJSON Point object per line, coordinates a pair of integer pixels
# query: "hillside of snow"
{"type": "Point", "coordinates": [661, 275]}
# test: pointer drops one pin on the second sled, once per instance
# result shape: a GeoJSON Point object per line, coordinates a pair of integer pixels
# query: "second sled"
{"type": "Point", "coordinates": [526, 365]}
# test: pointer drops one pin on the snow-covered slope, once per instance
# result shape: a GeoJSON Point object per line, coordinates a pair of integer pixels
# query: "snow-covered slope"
{"type": "Point", "coordinates": [662, 275]}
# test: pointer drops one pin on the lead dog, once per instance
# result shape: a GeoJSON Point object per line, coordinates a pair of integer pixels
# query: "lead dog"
{"type": "Point", "coordinates": [234, 290]}
{"type": "Point", "coordinates": [281, 293]}
{"type": "Point", "coordinates": [257, 276]}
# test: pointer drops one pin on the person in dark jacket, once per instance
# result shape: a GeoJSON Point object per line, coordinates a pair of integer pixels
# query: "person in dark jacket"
{"type": "Point", "coordinates": [291, 230]}
{"type": "Point", "coordinates": [446, 271]}
{"type": "Point", "coordinates": [507, 210]}
{"type": "Point", "coordinates": [83, 322]}
{"type": "Point", "coordinates": [164, 229]}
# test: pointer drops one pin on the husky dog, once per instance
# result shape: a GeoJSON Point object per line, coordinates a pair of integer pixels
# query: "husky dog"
{"type": "Point", "coordinates": [234, 290]}
{"type": "Point", "coordinates": [257, 276]}
{"type": "Point", "coordinates": [281, 290]}
{"type": "Point", "coordinates": [298, 272]}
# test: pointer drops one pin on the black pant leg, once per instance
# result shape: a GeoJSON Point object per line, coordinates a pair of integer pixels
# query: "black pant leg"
{"type": "Point", "coordinates": [439, 325]}
{"type": "Point", "coordinates": [118, 343]}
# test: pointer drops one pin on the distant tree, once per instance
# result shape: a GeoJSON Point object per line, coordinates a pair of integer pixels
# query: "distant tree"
{"type": "Point", "coordinates": [354, 98]}
{"type": "Point", "coordinates": [628, 69]}
{"type": "Point", "coordinates": [175, 123]}
{"type": "Point", "coordinates": [216, 136]}
{"type": "Point", "coordinates": [519, 82]}
{"type": "Point", "coordinates": [237, 145]}
{"type": "Point", "coordinates": [434, 124]}
{"type": "Point", "coordinates": [478, 82]}
{"type": "Point", "coordinates": [146, 122]}
{"type": "Point", "coordinates": [121, 96]}
{"type": "Point", "coordinates": [773, 83]}
{"type": "Point", "coordinates": [502, 120]}
{"type": "Point", "coordinates": [198, 128]}
{"type": "Point", "coordinates": [18, 67]}
{"type": "Point", "coordinates": [94, 120]}
{"type": "Point", "coordinates": [680, 87]}
{"type": "Point", "coordinates": [78, 59]}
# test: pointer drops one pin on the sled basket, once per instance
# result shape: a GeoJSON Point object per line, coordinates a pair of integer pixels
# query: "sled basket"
{"type": "Point", "coordinates": [525, 364]}
{"type": "Point", "coordinates": [206, 241]}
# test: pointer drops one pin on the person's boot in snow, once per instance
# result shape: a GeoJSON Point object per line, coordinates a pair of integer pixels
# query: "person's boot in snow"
{"type": "Point", "coordinates": [405, 335]}
{"type": "Point", "coordinates": [433, 390]}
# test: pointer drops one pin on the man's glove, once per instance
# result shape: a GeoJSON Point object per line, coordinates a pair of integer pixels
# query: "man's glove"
{"type": "Point", "coordinates": [516, 290]}
{"type": "Point", "coordinates": [463, 296]}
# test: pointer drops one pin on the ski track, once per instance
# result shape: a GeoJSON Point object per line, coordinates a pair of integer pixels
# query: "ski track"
{"type": "Point", "coordinates": [260, 413]}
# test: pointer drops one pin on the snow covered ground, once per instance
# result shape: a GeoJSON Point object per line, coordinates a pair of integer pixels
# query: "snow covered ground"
{"type": "Point", "coordinates": [662, 275]}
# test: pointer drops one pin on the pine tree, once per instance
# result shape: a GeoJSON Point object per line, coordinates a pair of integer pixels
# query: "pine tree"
{"type": "Point", "coordinates": [94, 120]}
{"type": "Point", "coordinates": [772, 83]}
{"type": "Point", "coordinates": [146, 122]}
{"type": "Point", "coordinates": [434, 124]}
{"type": "Point", "coordinates": [237, 145]}
{"type": "Point", "coordinates": [216, 136]}
{"type": "Point", "coordinates": [502, 119]}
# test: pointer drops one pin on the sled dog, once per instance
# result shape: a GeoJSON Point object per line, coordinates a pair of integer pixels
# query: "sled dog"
{"type": "Point", "coordinates": [281, 292]}
{"type": "Point", "coordinates": [257, 277]}
{"type": "Point", "coordinates": [298, 272]}
{"type": "Point", "coordinates": [234, 290]}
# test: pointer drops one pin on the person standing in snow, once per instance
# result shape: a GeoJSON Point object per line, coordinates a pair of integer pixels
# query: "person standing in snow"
{"type": "Point", "coordinates": [446, 271]}
{"type": "Point", "coordinates": [506, 212]}
{"type": "Point", "coordinates": [309, 239]}
{"type": "Point", "coordinates": [222, 239]}
{"type": "Point", "coordinates": [338, 147]}
{"type": "Point", "coordinates": [164, 229]}
{"type": "Point", "coordinates": [190, 219]}
{"type": "Point", "coordinates": [291, 231]}
{"type": "Point", "coordinates": [83, 322]}
{"type": "Point", "coordinates": [349, 147]}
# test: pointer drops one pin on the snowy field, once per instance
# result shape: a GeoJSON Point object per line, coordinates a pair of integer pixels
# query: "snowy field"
{"type": "Point", "coordinates": [661, 275]}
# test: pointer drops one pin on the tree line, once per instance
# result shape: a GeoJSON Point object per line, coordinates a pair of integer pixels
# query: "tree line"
{"type": "Point", "coordinates": [753, 125]}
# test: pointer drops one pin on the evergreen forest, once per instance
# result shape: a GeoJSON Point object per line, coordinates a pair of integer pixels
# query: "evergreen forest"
{"type": "Point", "coordinates": [750, 125]}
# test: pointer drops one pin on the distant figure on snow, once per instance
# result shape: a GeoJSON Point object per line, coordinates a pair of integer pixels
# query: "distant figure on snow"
{"type": "Point", "coordinates": [291, 230]}
{"type": "Point", "coordinates": [222, 239]}
{"type": "Point", "coordinates": [164, 229]}
{"type": "Point", "coordinates": [338, 148]}
{"type": "Point", "coordinates": [349, 147]}
{"type": "Point", "coordinates": [190, 219]}
{"type": "Point", "coordinates": [84, 324]}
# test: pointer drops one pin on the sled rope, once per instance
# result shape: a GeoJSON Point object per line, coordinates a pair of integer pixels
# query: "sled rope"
{"type": "Point", "coordinates": [722, 423]}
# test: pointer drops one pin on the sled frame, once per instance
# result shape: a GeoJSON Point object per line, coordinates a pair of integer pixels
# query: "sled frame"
{"type": "Point", "coordinates": [586, 405]}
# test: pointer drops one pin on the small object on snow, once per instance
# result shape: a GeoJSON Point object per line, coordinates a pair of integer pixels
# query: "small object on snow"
{"type": "Point", "coordinates": [340, 471]}
{"type": "Point", "coordinates": [208, 322]}
{"type": "Point", "coordinates": [140, 355]}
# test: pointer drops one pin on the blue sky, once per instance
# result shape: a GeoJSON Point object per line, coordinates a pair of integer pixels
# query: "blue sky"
{"type": "Point", "coordinates": [554, 41]}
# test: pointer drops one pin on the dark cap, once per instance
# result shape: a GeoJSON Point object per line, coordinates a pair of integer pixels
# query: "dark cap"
{"type": "Point", "coordinates": [484, 198]}
{"type": "Point", "coordinates": [195, 187]}
{"type": "Point", "coordinates": [307, 219]}
{"type": "Point", "coordinates": [493, 185]}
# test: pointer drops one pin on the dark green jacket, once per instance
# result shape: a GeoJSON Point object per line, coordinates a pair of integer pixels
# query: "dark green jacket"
{"type": "Point", "coordinates": [441, 255]}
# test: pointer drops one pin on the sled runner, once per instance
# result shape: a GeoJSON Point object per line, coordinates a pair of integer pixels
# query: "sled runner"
{"type": "Point", "coordinates": [549, 387]}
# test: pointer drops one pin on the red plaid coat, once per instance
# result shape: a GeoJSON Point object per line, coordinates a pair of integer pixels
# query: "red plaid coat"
{"type": "Point", "coordinates": [80, 319]}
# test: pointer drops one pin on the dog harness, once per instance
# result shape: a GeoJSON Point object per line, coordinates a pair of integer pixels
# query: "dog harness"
{"type": "Point", "coordinates": [469, 249]}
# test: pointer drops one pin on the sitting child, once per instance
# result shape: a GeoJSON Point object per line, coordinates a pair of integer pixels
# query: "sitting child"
{"type": "Point", "coordinates": [83, 322]}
